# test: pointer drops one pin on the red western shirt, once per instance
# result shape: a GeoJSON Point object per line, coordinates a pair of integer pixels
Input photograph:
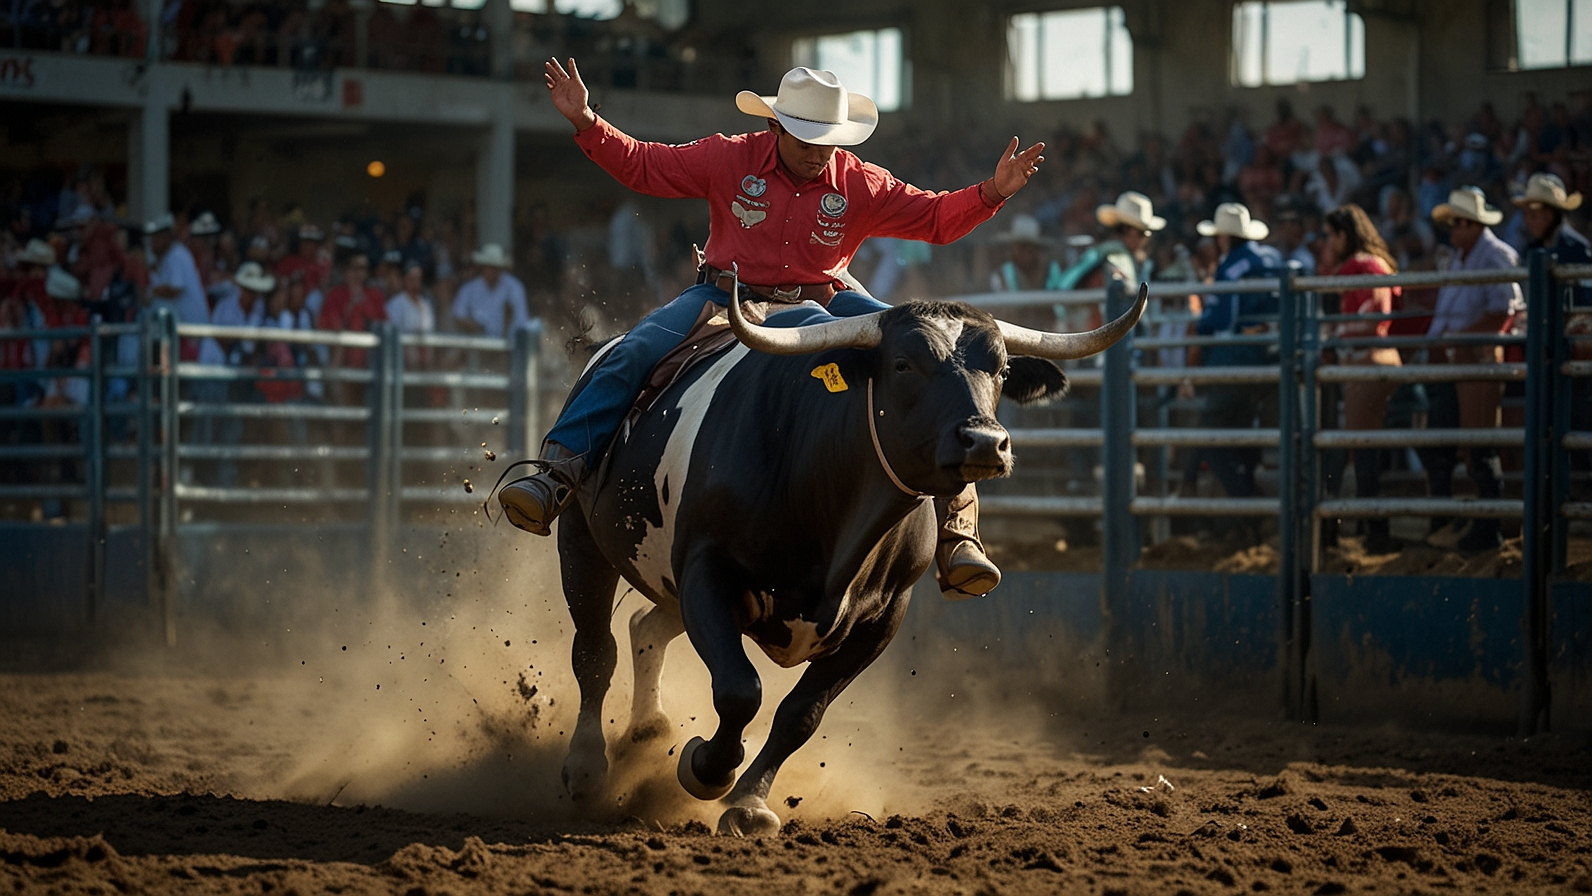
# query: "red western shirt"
{"type": "Point", "coordinates": [780, 232]}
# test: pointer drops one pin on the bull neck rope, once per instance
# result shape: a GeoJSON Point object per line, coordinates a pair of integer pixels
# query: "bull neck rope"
{"type": "Point", "coordinates": [878, 450]}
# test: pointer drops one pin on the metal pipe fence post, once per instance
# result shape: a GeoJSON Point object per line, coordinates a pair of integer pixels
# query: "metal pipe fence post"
{"type": "Point", "coordinates": [379, 438]}
{"type": "Point", "coordinates": [1118, 456]}
{"type": "Point", "coordinates": [1561, 394]}
{"type": "Point", "coordinates": [146, 460]}
{"type": "Point", "coordinates": [524, 400]}
{"type": "Point", "coordinates": [1309, 477]}
{"type": "Point", "coordinates": [170, 433]}
{"type": "Point", "coordinates": [1536, 491]}
{"type": "Point", "coordinates": [93, 441]}
{"type": "Point", "coordinates": [1288, 449]}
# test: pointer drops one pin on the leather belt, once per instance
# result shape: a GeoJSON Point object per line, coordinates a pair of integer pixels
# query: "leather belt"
{"type": "Point", "coordinates": [811, 292]}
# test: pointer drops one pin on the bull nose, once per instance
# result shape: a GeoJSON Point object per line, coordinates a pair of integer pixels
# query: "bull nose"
{"type": "Point", "coordinates": [985, 446]}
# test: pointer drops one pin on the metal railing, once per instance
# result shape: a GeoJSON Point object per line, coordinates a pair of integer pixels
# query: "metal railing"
{"type": "Point", "coordinates": [1299, 373]}
{"type": "Point", "coordinates": [167, 424]}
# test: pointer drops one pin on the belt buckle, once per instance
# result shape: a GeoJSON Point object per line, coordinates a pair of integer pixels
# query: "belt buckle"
{"type": "Point", "coordinates": [795, 292]}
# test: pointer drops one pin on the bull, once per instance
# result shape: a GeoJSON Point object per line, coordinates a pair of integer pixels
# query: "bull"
{"type": "Point", "coordinates": [781, 491]}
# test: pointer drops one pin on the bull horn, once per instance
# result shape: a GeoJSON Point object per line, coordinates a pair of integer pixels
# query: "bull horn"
{"type": "Point", "coordinates": [850, 332]}
{"type": "Point", "coordinates": [1069, 346]}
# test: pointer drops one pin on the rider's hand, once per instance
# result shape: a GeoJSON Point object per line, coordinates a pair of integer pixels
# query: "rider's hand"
{"type": "Point", "coordinates": [1015, 168]}
{"type": "Point", "coordinates": [569, 94]}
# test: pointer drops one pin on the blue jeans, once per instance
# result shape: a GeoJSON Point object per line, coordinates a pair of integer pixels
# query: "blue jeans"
{"type": "Point", "coordinates": [590, 422]}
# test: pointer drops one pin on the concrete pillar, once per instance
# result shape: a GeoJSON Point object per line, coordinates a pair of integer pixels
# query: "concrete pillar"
{"type": "Point", "coordinates": [149, 160]}
{"type": "Point", "coordinates": [150, 11]}
{"type": "Point", "coordinates": [499, 18]}
{"type": "Point", "coordinates": [494, 174]}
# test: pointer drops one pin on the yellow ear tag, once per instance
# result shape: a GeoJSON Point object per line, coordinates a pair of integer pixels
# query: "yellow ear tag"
{"type": "Point", "coordinates": [829, 374]}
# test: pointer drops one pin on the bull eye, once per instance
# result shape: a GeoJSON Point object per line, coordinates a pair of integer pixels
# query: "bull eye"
{"type": "Point", "coordinates": [1004, 373]}
{"type": "Point", "coordinates": [902, 365]}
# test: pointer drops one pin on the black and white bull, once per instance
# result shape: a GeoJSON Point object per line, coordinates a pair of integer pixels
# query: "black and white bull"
{"type": "Point", "coordinates": [779, 491]}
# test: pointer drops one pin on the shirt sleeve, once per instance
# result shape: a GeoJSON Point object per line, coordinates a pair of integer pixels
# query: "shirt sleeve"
{"type": "Point", "coordinates": [902, 210]}
{"type": "Point", "coordinates": [656, 169]}
{"type": "Point", "coordinates": [461, 303]}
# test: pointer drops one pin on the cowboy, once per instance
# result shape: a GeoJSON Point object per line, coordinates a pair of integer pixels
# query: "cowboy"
{"type": "Point", "coordinates": [1236, 406]}
{"type": "Point", "coordinates": [1124, 254]}
{"type": "Point", "coordinates": [1469, 308]}
{"type": "Point", "coordinates": [789, 208]}
{"type": "Point", "coordinates": [243, 307]}
{"type": "Point", "coordinates": [174, 280]}
{"type": "Point", "coordinates": [1543, 207]}
{"type": "Point", "coordinates": [1027, 268]}
{"type": "Point", "coordinates": [492, 303]}
{"type": "Point", "coordinates": [203, 234]}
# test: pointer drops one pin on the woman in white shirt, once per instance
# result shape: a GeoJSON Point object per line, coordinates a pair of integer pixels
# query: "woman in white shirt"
{"type": "Point", "coordinates": [412, 311]}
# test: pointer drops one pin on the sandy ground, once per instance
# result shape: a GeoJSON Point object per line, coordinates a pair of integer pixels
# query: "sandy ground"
{"type": "Point", "coordinates": [132, 782]}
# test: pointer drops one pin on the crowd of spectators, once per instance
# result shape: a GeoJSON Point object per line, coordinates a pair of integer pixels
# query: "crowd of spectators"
{"type": "Point", "coordinates": [98, 27]}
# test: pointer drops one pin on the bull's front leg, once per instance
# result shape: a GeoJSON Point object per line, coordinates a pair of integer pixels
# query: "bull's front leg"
{"type": "Point", "coordinates": [710, 608]}
{"type": "Point", "coordinates": [798, 717]}
{"type": "Point", "coordinates": [589, 581]}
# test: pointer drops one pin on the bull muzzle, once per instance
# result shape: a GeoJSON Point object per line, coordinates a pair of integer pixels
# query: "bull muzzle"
{"type": "Point", "coordinates": [982, 451]}
{"type": "Point", "coordinates": [863, 332]}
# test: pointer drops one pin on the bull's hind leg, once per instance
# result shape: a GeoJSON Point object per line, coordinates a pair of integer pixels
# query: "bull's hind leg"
{"type": "Point", "coordinates": [797, 719]}
{"type": "Point", "coordinates": [589, 581]}
{"type": "Point", "coordinates": [651, 631]}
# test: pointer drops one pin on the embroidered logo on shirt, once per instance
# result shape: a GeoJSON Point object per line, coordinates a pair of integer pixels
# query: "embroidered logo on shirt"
{"type": "Point", "coordinates": [829, 375]}
{"type": "Point", "coordinates": [833, 204]}
{"type": "Point", "coordinates": [815, 238]}
{"type": "Point", "coordinates": [753, 185]}
{"type": "Point", "coordinates": [747, 217]}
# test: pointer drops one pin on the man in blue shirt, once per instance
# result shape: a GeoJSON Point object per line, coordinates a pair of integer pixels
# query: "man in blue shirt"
{"type": "Point", "coordinates": [1236, 406]}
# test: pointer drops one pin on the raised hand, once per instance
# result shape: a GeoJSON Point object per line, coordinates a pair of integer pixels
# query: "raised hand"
{"type": "Point", "coordinates": [569, 94]}
{"type": "Point", "coordinates": [1015, 168]}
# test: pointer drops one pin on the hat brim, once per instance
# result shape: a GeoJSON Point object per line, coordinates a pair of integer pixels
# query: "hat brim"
{"type": "Point", "coordinates": [1445, 213]}
{"type": "Point", "coordinates": [1257, 230]}
{"type": "Point", "coordinates": [488, 261]}
{"type": "Point", "coordinates": [862, 116]}
{"type": "Point", "coordinates": [1571, 202]}
{"type": "Point", "coordinates": [42, 260]}
{"type": "Point", "coordinates": [263, 284]}
{"type": "Point", "coordinates": [1111, 216]}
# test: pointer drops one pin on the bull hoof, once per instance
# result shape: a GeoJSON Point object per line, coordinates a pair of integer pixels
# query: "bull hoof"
{"type": "Point", "coordinates": [585, 772]}
{"type": "Point", "coordinates": [748, 821]}
{"type": "Point", "coordinates": [688, 778]}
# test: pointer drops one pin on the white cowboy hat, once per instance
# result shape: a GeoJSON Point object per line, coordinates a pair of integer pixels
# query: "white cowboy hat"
{"type": "Point", "coordinates": [252, 277]}
{"type": "Point", "coordinates": [204, 225]}
{"type": "Point", "coordinates": [160, 223]}
{"type": "Point", "coordinates": [58, 284]}
{"type": "Point", "coordinates": [37, 252]}
{"type": "Point", "coordinates": [1025, 229]}
{"type": "Point", "coordinates": [1548, 189]}
{"type": "Point", "coordinates": [491, 256]}
{"type": "Point", "coordinates": [1469, 203]}
{"type": "Point", "coordinates": [311, 232]}
{"type": "Point", "coordinates": [1133, 209]}
{"type": "Point", "coordinates": [1232, 219]}
{"type": "Point", "coordinates": [815, 108]}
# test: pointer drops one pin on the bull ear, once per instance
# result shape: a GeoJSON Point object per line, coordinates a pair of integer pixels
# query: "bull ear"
{"type": "Point", "coordinates": [1034, 380]}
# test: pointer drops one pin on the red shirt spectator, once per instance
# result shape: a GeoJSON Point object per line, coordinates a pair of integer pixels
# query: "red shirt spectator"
{"type": "Point", "coordinates": [352, 309]}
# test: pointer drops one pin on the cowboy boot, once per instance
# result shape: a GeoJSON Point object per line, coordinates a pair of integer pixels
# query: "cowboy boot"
{"type": "Point", "coordinates": [532, 503]}
{"type": "Point", "coordinates": [963, 570]}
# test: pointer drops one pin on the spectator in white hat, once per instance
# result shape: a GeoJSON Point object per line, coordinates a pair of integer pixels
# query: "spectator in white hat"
{"type": "Point", "coordinates": [1465, 309]}
{"type": "Point", "coordinates": [492, 303]}
{"type": "Point", "coordinates": [1237, 406]}
{"type": "Point", "coordinates": [1028, 266]}
{"type": "Point", "coordinates": [174, 280]}
{"type": "Point", "coordinates": [245, 307]}
{"type": "Point", "coordinates": [1543, 206]}
{"type": "Point", "coordinates": [203, 234]}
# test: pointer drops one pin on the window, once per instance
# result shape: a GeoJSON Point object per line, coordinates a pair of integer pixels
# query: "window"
{"type": "Point", "coordinates": [1553, 33]}
{"type": "Point", "coordinates": [867, 62]}
{"type": "Point", "coordinates": [1301, 40]}
{"type": "Point", "coordinates": [1068, 55]}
